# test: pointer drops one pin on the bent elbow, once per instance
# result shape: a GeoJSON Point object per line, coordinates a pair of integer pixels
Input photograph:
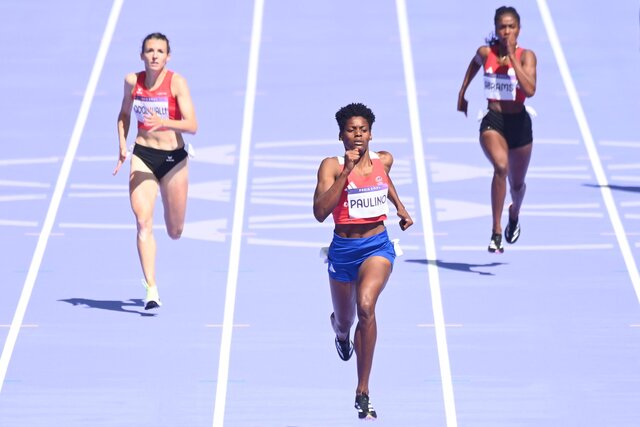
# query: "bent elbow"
{"type": "Point", "coordinates": [319, 215]}
{"type": "Point", "coordinates": [530, 92]}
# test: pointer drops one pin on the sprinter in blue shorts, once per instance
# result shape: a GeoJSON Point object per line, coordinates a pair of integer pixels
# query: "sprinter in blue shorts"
{"type": "Point", "coordinates": [354, 188]}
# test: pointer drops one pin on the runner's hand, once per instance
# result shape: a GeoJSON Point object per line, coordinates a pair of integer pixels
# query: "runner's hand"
{"type": "Point", "coordinates": [512, 45]}
{"type": "Point", "coordinates": [121, 158]}
{"type": "Point", "coordinates": [153, 121]}
{"type": "Point", "coordinates": [405, 219]}
{"type": "Point", "coordinates": [351, 158]}
{"type": "Point", "coordinates": [463, 105]}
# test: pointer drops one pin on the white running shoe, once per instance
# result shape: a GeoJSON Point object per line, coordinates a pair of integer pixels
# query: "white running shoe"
{"type": "Point", "coordinates": [153, 299]}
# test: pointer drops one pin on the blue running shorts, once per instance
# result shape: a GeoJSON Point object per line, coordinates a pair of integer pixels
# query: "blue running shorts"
{"type": "Point", "coordinates": [347, 255]}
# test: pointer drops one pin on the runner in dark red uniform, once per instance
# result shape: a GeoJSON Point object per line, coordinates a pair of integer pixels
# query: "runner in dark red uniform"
{"type": "Point", "coordinates": [164, 111]}
{"type": "Point", "coordinates": [505, 132]}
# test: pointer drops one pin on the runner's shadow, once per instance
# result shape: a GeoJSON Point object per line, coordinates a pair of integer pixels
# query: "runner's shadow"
{"type": "Point", "coordinates": [629, 188]}
{"type": "Point", "coordinates": [110, 305]}
{"type": "Point", "coordinates": [458, 266]}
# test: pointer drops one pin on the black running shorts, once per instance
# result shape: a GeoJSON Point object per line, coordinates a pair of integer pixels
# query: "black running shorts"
{"type": "Point", "coordinates": [515, 128]}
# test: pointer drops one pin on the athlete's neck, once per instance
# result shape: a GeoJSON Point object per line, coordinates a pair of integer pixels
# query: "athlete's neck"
{"type": "Point", "coordinates": [365, 161]}
{"type": "Point", "coordinates": [153, 77]}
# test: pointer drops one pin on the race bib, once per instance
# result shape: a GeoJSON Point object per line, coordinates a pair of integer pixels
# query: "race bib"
{"type": "Point", "coordinates": [501, 87]}
{"type": "Point", "coordinates": [143, 106]}
{"type": "Point", "coordinates": [367, 202]}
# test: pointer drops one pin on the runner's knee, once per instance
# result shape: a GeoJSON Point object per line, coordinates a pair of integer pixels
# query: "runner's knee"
{"type": "Point", "coordinates": [175, 232]}
{"type": "Point", "coordinates": [145, 228]}
{"type": "Point", "coordinates": [366, 310]}
{"type": "Point", "coordinates": [501, 170]}
{"type": "Point", "coordinates": [517, 192]}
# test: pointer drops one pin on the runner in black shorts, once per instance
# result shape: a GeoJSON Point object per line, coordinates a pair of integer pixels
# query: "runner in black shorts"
{"type": "Point", "coordinates": [505, 132]}
{"type": "Point", "coordinates": [163, 111]}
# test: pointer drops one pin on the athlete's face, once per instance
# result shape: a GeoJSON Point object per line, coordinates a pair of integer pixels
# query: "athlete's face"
{"type": "Point", "coordinates": [356, 134]}
{"type": "Point", "coordinates": [155, 54]}
{"type": "Point", "coordinates": [507, 29]}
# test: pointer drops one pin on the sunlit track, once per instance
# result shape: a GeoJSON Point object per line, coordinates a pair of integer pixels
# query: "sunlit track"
{"type": "Point", "coordinates": [425, 210]}
{"type": "Point", "coordinates": [238, 215]}
{"type": "Point", "coordinates": [56, 197]}
{"type": "Point", "coordinates": [590, 145]}
{"type": "Point", "coordinates": [545, 334]}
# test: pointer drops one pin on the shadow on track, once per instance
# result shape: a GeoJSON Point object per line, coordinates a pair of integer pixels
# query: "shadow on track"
{"type": "Point", "coordinates": [110, 305]}
{"type": "Point", "coordinates": [628, 188]}
{"type": "Point", "coordinates": [459, 266]}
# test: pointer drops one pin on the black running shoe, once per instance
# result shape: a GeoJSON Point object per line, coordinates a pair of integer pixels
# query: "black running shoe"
{"type": "Point", "coordinates": [496, 244]}
{"type": "Point", "coordinates": [512, 232]}
{"type": "Point", "coordinates": [345, 348]}
{"type": "Point", "coordinates": [364, 407]}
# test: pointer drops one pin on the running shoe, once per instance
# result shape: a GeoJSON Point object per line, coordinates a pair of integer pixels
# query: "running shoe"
{"type": "Point", "coordinates": [512, 232]}
{"type": "Point", "coordinates": [345, 348]}
{"type": "Point", "coordinates": [364, 407]}
{"type": "Point", "coordinates": [496, 243]}
{"type": "Point", "coordinates": [153, 299]}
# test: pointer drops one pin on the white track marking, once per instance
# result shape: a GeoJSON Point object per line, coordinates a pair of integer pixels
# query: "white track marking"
{"type": "Point", "coordinates": [61, 183]}
{"type": "Point", "coordinates": [425, 211]}
{"type": "Point", "coordinates": [238, 215]}
{"type": "Point", "coordinates": [590, 145]}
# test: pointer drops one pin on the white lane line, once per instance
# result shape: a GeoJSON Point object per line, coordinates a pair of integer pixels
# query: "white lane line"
{"type": "Point", "coordinates": [432, 325]}
{"type": "Point", "coordinates": [628, 144]}
{"type": "Point", "coordinates": [101, 195]}
{"type": "Point", "coordinates": [33, 161]}
{"type": "Point", "coordinates": [629, 178]}
{"type": "Point", "coordinates": [220, 325]}
{"type": "Point", "coordinates": [290, 226]}
{"type": "Point", "coordinates": [624, 166]}
{"type": "Point", "coordinates": [541, 248]}
{"type": "Point", "coordinates": [474, 140]}
{"type": "Point", "coordinates": [332, 142]}
{"type": "Point", "coordinates": [61, 183]}
{"type": "Point", "coordinates": [590, 145]}
{"type": "Point", "coordinates": [22, 197]}
{"type": "Point", "coordinates": [274, 218]}
{"type": "Point", "coordinates": [26, 184]}
{"type": "Point", "coordinates": [425, 211]}
{"type": "Point", "coordinates": [122, 187]}
{"type": "Point", "coordinates": [25, 325]}
{"type": "Point", "coordinates": [238, 216]}
{"type": "Point", "coordinates": [18, 223]}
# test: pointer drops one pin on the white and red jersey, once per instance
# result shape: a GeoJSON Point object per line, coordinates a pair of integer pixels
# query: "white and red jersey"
{"type": "Point", "coordinates": [364, 198]}
{"type": "Point", "coordinates": [500, 82]}
{"type": "Point", "coordinates": [161, 100]}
